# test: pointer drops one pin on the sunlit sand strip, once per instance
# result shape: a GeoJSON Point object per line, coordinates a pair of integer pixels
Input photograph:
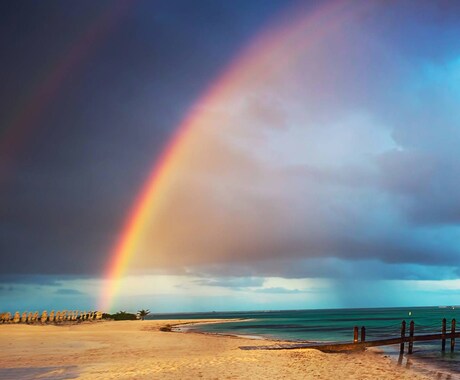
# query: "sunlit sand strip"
{"type": "Point", "coordinates": [139, 350]}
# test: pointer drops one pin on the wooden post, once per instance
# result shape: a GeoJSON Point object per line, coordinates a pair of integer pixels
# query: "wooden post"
{"type": "Point", "coordinates": [443, 332]}
{"type": "Point", "coordinates": [403, 335]}
{"type": "Point", "coordinates": [411, 337]}
{"type": "Point", "coordinates": [363, 334]}
{"type": "Point", "coordinates": [452, 339]}
{"type": "Point", "coordinates": [355, 334]}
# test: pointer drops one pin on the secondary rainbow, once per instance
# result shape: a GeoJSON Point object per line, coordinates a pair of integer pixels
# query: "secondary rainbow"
{"type": "Point", "coordinates": [19, 128]}
{"type": "Point", "coordinates": [247, 66]}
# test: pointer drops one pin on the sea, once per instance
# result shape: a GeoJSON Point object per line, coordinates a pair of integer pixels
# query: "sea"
{"type": "Point", "coordinates": [336, 325]}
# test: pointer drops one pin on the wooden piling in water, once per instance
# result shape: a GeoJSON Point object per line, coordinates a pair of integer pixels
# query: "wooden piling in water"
{"type": "Point", "coordinates": [360, 345]}
{"type": "Point", "coordinates": [355, 334]}
{"type": "Point", "coordinates": [356, 345]}
{"type": "Point", "coordinates": [411, 337]}
{"type": "Point", "coordinates": [443, 332]}
{"type": "Point", "coordinates": [403, 335]}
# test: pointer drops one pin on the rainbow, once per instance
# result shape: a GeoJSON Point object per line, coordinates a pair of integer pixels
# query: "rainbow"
{"type": "Point", "coordinates": [21, 124]}
{"type": "Point", "coordinates": [282, 38]}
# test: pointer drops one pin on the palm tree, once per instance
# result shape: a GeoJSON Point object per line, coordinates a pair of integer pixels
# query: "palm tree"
{"type": "Point", "coordinates": [143, 313]}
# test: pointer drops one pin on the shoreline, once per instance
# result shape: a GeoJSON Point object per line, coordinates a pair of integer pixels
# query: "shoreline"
{"type": "Point", "coordinates": [410, 362]}
{"type": "Point", "coordinates": [139, 350]}
{"type": "Point", "coordinates": [185, 329]}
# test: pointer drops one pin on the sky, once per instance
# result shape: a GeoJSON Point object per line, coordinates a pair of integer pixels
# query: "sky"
{"type": "Point", "coordinates": [319, 168]}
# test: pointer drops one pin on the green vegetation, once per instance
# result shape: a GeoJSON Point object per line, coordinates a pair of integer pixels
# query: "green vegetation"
{"type": "Point", "coordinates": [143, 313]}
{"type": "Point", "coordinates": [120, 316]}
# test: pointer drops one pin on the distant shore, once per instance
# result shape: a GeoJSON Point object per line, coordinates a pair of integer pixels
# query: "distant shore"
{"type": "Point", "coordinates": [139, 350]}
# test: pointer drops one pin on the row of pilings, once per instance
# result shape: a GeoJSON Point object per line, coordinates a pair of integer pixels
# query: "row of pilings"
{"type": "Point", "coordinates": [52, 317]}
{"type": "Point", "coordinates": [411, 338]}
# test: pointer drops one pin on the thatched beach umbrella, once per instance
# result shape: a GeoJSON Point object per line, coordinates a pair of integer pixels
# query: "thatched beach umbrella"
{"type": "Point", "coordinates": [30, 317]}
{"type": "Point", "coordinates": [98, 315]}
{"type": "Point", "coordinates": [35, 317]}
{"type": "Point", "coordinates": [44, 317]}
{"type": "Point", "coordinates": [5, 317]}
{"type": "Point", "coordinates": [24, 317]}
{"type": "Point", "coordinates": [51, 316]}
{"type": "Point", "coordinates": [17, 317]}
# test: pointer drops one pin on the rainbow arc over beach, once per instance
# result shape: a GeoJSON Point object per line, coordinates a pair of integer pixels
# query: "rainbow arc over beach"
{"type": "Point", "coordinates": [286, 39]}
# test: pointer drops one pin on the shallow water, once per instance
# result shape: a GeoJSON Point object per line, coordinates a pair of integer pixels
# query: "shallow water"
{"type": "Point", "coordinates": [32, 373]}
{"type": "Point", "coordinates": [336, 325]}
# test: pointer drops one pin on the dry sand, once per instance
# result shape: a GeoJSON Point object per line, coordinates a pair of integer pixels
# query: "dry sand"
{"type": "Point", "coordinates": [138, 350]}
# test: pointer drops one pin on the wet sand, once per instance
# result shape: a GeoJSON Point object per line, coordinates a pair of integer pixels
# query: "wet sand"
{"type": "Point", "coordinates": [139, 350]}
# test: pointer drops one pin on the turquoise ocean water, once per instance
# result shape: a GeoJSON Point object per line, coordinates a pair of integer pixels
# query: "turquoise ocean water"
{"type": "Point", "coordinates": [336, 325]}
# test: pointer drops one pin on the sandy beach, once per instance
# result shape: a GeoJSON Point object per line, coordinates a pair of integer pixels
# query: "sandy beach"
{"type": "Point", "coordinates": [139, 350]}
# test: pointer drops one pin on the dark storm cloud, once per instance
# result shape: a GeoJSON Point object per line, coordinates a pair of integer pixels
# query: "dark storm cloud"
{"type": "Point", "coordinates": [40, 279]}
{"type": "Point", "coordinates": [384, 206]}
{"type": "Point", "coordinates": [320, 268]}
{"type": "Point", "coordinates": [231, 282]}
{"type": "Point", "coordinates": [73, 178]}
{"type": "Point", "coordinates": [428, 195]}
